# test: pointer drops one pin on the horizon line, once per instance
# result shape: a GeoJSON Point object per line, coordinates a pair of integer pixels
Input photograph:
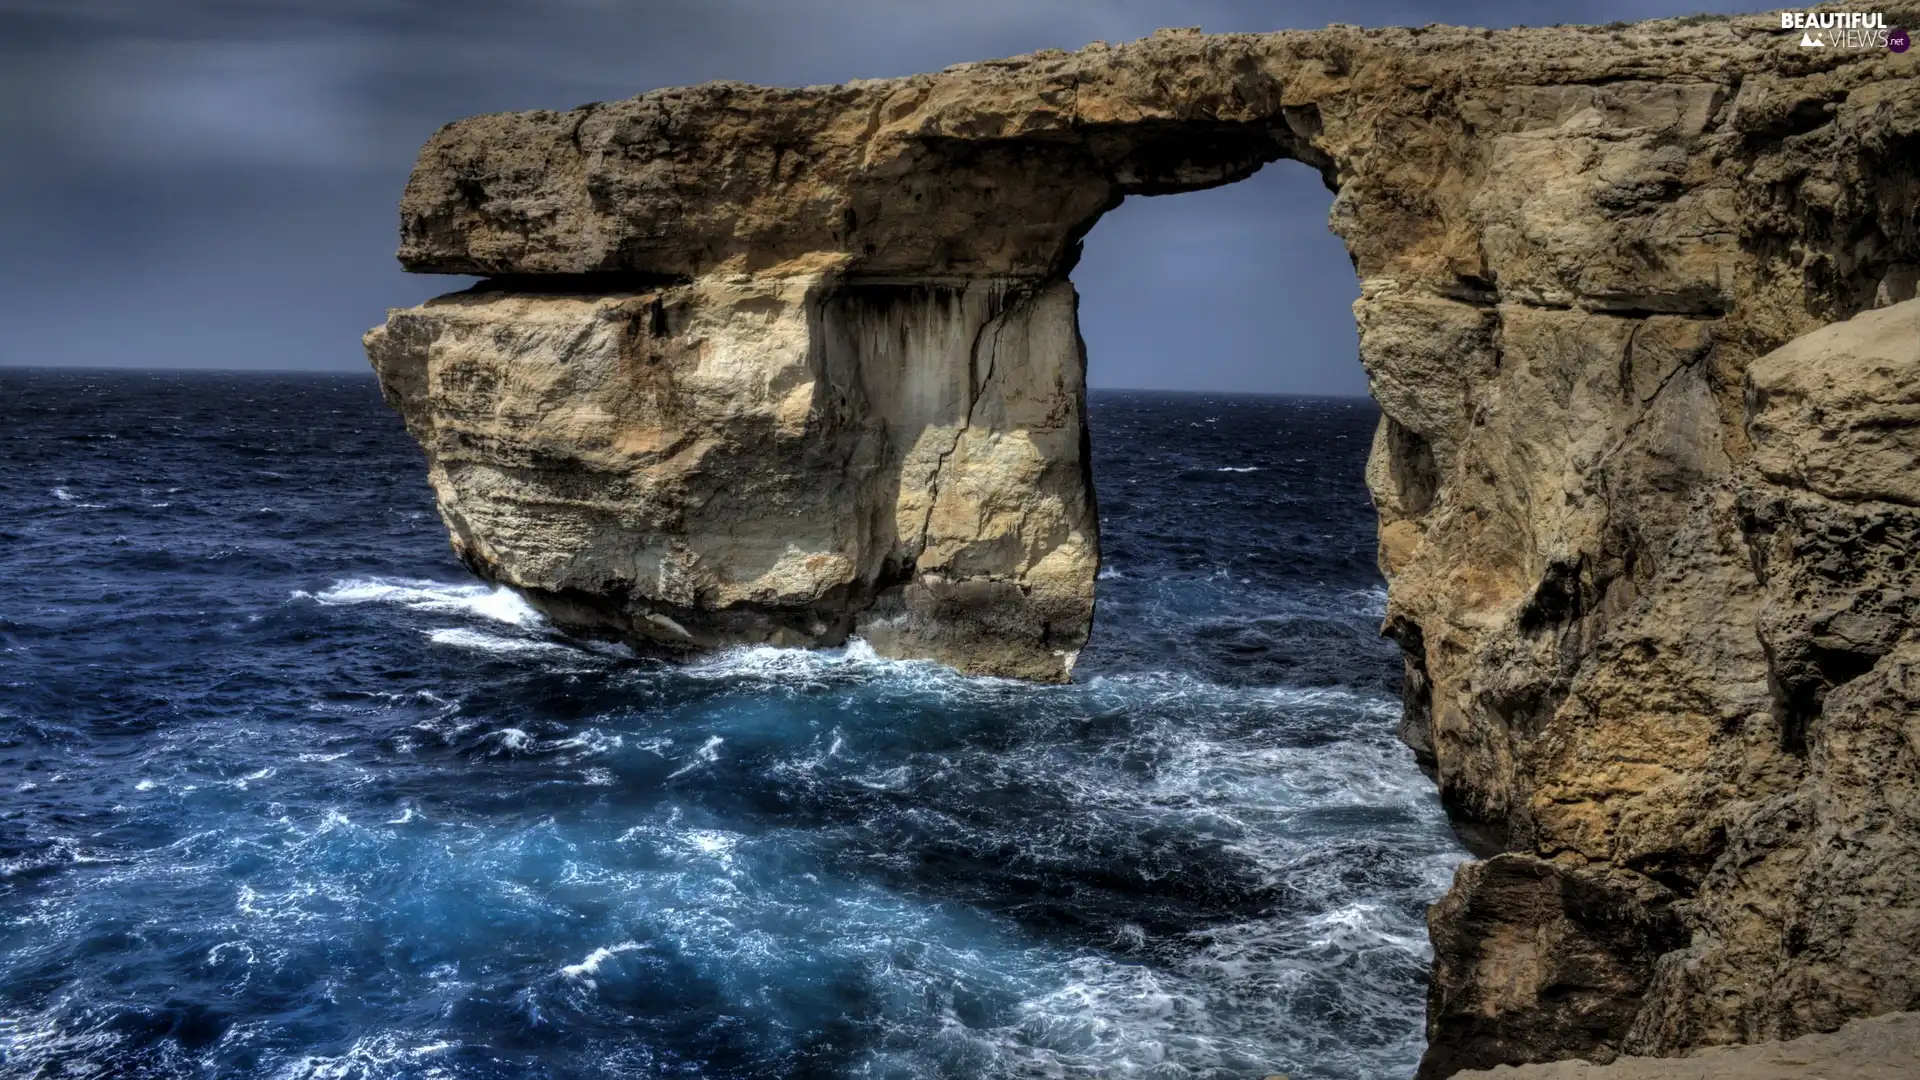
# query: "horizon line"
{"type": "Point", "coordinates": [369, 374]}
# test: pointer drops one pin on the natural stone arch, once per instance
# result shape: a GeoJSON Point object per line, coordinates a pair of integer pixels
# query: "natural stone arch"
{"type": "Point", "coordinates": [784, 365]}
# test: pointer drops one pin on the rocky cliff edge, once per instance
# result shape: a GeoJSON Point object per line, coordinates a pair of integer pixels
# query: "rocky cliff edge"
{"type": "Point", "coordinates": [790, 365]}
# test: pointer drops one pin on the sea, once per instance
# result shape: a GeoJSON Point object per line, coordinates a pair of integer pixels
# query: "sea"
{"type": "Point", "coordinates": [286, 793]}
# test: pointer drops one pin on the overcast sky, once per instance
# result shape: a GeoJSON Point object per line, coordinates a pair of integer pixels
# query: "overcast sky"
{"type": "Point", "coordinates": [212, 183]}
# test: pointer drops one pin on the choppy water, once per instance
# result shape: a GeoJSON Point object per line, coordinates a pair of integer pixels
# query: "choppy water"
{"type": "Point", "coordinates": [287, 795]}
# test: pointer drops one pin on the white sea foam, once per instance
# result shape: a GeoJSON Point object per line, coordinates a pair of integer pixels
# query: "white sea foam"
{"type": "Point", "coordinates": [708, 753]}
{"type": "Point", "coordinates": [61, 852]}
{"type": "Point", "coordinates": [615, 649]}
{"type": "Point", "coordinates": [894, 779]}
{"type": "Point", "coordinates": [38, 1044]}
{"type": "Point", "coordinates": [500, 604]}
{"type": "Point", "coordinates": [714, 843]}
{"type": "Point", "coordinates": [241, 783]}
{"type": "Point", "coordinates": [390, 1053]}
{"type": "Point", "coordinates": [1365, 924]}
{"type": "Point", "coordinates": [510, 740]}
{"type": "Point", "coordinates": [796, 671]}
{"type": "Point", "coordinates": [778, 664]}
{"type": "Point", "coordinates": [586, 969]}
{"type": "Point", "coordinates": [1239, 468]}
{"type": "Point", "coordinates": [1214, 1011]}
{"type": "Point", "coordinates": [591, 742]}
{"type": "Point", "coordinates": [239, 950]}
{"type": "Point", "coordinates": [493, 643]}
{"type": "Point", "coordinates": [817, 755]}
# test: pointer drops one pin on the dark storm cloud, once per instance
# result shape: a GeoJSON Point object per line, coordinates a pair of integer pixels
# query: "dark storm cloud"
{"type": "Point", "coordinates": [213, 183]}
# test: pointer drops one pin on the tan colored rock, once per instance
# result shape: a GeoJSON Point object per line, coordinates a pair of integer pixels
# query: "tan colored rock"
{"type": "Point", "coordinates": [1810, 914]}
{"type": "Point", "coordinates": [791, 365]}
{"type": "Point", "coordinates": [1837, 412]}
{"type": "Point", "coordinates": [787, 460]}
{"type": "Point", "coordinates": [1737, 736]}
{"type": "Point", "coordinates": [1883, 1048]}
{"type": "Point", "coordinates": [1537, 960]}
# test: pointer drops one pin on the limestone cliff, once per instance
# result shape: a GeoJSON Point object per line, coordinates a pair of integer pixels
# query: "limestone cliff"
{"type": "Point", "coordinates": [787, 365]}
{"type": "Point", "coordinates": [768, 459]}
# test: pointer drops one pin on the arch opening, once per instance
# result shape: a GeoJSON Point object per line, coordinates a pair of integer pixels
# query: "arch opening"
{"type": "Point", "coordinates": [1229, 429]}
{"type": "Point", "coordinates": [1239, 288]}
{"type": "Point", "coordinates": [1229, 434]}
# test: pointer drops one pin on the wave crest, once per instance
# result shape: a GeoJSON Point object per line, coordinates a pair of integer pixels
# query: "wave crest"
{"type": "Point", "coordinates": [498, 603]}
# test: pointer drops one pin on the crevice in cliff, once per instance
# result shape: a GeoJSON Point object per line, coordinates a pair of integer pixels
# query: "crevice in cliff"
{"type": "Point", "coordinates": [1806, 661]}
{"type": "Point", "coordinates": [1692, 364]}
{"type": "Point", "coordinates": [978, 378]}
{"type": "Point", "coordinates": [1415, 471]}
{"type": "Point", "coordinates": [1563, 594]}
{"type": "Point", "coordinates": [979, 375]}
{"type": "Point", "coordinates": [1481, 292]}
{"type": "Point", "coordinates": [596, 283]}
{"type": "Point", "coordinates": [1706, 310]}
{"type": "Point", "coordinates": [584, 113]}
{"type": "Point", "coordinates": [1416, 692]}
{"type": "Point", "coordinates": [933, 490]}
{"type": "Point", "coordinates": [1681, 870]}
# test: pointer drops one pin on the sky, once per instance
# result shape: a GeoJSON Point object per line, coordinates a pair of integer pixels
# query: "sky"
{"type": "Point", "coordinates": [214, 183]}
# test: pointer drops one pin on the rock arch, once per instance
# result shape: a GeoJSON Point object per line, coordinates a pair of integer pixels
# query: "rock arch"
{"type": "Point", "coordinates": [760, 364]}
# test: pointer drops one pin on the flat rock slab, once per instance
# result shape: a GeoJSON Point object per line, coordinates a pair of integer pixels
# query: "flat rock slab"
{"type": "Point", "coordinates": [1881, 1048]}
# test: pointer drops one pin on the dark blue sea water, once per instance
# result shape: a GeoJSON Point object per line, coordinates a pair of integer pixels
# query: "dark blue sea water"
{"type": "Point", "coordinates": [286, 794]}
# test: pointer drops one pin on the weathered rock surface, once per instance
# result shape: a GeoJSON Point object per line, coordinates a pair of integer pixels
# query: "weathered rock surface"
{"type": "Point", "coordinates": [789, 365]}
{"type": "Point", "coordinates": [1716, 825]}
{"type": "Point", "coordinates": [1882, 1048]}
{"type": "Point", "coordinates": [777, 460]}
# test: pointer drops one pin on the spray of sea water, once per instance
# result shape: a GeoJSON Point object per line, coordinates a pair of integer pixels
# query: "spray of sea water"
{"type": "Point", "coordinates": [289, 796]}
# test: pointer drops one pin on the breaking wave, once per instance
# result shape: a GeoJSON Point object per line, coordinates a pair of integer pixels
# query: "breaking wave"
{"type": "Point", "coordinates": [497, 603]}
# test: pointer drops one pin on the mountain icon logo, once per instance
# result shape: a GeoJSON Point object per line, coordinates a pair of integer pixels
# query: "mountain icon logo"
{"type": "Point", "coordinates": [1808, 41]}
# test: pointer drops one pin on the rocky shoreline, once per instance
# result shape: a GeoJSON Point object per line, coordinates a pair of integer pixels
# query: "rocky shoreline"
{"type": "Point", "coordinates": [790, 365]}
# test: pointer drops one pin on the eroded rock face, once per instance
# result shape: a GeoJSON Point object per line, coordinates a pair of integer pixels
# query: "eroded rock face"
{"type": "Point", "coordinates": [1733, 752]}
{"type": "Point", "coordinates": [784, 460]}
{"type": "Point", "coordinates": [1541, 961]}
{"type": "Point", "coordinates": [789, 365]}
